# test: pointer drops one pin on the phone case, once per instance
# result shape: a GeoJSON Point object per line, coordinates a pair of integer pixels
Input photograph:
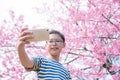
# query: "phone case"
{"type": "Point", "coordinates": [40, 35]}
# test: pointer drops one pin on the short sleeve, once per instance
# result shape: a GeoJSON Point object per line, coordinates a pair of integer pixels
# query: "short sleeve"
{"type": "Point", "coordinates": [37, 63]}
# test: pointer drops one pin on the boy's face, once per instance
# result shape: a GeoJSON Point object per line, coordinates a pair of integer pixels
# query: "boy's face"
{"type": "Point", "coordinates": [54, 45]}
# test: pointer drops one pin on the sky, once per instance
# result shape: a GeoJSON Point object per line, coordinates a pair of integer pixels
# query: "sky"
{"type": "Point", "coordinates": [26, 8]}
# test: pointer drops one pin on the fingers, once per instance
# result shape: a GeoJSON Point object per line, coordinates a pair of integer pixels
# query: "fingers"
{"type": "Point", "coordinates": [25, 35]}
{"type": "Point", "coordinates": [23, 28]}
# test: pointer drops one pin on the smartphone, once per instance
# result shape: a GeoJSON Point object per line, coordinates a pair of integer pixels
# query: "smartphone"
{"type": "Point", "coordinates": [39, 35]}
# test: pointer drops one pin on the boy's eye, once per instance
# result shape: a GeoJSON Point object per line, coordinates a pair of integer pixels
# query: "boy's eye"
{"type": "Point", "coordinates": [55, 41]}
{"type": "Point", "coordinates": [51, 41]}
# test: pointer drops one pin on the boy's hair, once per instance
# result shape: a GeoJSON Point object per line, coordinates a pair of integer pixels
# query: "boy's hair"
{"type": "Point", "coordinates": [58, 33]}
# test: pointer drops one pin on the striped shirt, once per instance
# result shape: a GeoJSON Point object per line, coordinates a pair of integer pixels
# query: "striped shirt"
{"type": "Point", "coordinates": [48, 69]}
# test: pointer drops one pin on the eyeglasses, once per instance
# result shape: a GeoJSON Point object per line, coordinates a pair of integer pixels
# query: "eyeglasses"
{"type": "Point", "coordinates": [54, 41]}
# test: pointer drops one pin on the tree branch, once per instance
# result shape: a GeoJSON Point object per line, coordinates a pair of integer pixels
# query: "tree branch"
{"type": "Point", "coordinates": [91, 3]}
{"type": "Point", "coordinates": [72, 60]}
{"type": "Point", "coordinates": [108, 19]}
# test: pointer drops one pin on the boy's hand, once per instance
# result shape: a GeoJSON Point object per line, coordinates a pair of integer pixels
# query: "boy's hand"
{"type": "Point", "coordinates": [22, 40]}
{"type": "Point", "coordinates": [24, 36]}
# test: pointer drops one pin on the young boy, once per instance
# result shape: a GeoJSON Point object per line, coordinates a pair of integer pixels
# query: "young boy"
{"type": "Point", "coordinates": [46, 68]}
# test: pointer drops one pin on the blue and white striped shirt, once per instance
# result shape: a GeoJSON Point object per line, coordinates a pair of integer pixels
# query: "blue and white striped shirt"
{"type": "Point", "coordinates": [48, 69]}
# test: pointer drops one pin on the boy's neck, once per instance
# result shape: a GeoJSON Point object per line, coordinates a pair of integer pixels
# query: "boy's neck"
{"type": "Point", "coordinates": [55, 58]}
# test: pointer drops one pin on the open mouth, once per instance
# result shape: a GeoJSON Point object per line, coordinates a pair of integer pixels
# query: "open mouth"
{"type": "Point", "coordinates": [54, 48]}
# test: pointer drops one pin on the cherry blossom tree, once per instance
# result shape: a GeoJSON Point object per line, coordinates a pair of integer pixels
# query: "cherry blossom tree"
{"type": "Point", "coordinates": [92, 30]}
{"type": "Point", "coordinates": [93, 36]}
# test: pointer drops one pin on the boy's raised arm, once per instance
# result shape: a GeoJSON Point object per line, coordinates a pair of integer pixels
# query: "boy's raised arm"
{"type": "Point", "coordinates": [25, 60]}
